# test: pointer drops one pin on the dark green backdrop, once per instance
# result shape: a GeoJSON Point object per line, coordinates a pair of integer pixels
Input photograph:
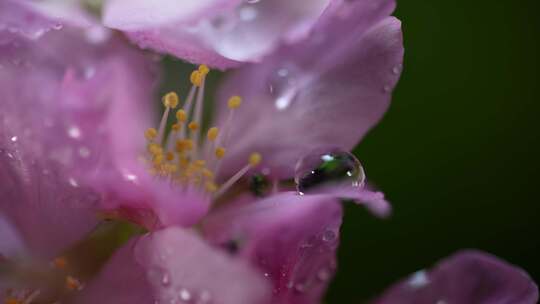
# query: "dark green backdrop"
{"type": "Point", "coordinates": [458, 152]}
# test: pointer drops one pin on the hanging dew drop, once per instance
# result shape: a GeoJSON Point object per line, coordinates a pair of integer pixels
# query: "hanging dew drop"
{"type": "Point", "coordinates": [322, 171]}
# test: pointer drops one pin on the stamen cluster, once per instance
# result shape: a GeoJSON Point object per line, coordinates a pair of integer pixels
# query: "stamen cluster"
{"type": "Point", "coordinates": [187, 156]}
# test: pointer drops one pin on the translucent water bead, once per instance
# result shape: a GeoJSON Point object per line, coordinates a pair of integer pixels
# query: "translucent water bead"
{"type": "Point", "coordinates": [324, 170]}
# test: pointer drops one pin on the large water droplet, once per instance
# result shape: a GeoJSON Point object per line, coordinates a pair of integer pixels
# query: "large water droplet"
{"type": "Point", "coordinates": [324, 170]}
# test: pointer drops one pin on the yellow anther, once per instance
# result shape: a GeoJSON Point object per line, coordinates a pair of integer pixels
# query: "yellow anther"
{"type": "Point", "coordinates": [170, 100]}
{"type": "Point", "coordinates": [176, 127]}
{"type": "Point", "coordinates": [193, 126]}
{"type": "Point", "coordinates": [207, 173]}
{"type": "Point", "coordinates": [11, 300]}
{"type": "Point", "coordinates": [203, 69]}
{"type": "Point", "coordinates": [234, 102]}
{"type": "Point", "coordinates": [220, 152]}
{"type": "Point", "coordinates": [155, 149]}
{"type": "Point", "coordinates": [60, 263]}
{"type": "Point", "coordinates": [72, 283]}
{"type": "Point", "coordinates": [211, 187]}
{"type": "Point", "coordinates": [181, 115]}
{"type": "Point", "coordinates": [171, 168]}
{"type": "Point", "coordinates": [158, 159]}
{"type": "Point", "coordinates": [199, 163]}
{"type": "Point", "coordinates": [184, 162]}
{"type": "Point", "coordinates": [184, 145]}
{"type": "Point", "coordinates": [212, 133]}
{"type": "Point", "coordinates": [150, 134]}
{"type": "Point", "coordinates": [255, 159]}
{"type": "Point", "coordinates": [169, 156]}
{"type": "Point", "coordinates": [196, 78]}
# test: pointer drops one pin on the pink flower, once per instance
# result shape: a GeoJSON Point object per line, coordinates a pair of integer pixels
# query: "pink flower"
{"type": "Point", "coordinates": [76, 103]}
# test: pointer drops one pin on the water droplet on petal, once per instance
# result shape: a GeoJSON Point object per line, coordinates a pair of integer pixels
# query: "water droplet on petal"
{"type": "Point", "coordinates": [329, 235]}
{"type": "Point", "coordinates": [184, 294]}
{"type": "Point", "coordinates": [74, 132]}
{"type": "Point", "coordinates": [387, 89]}
{"type": "Point", "coordinates": [324, 170]}
{"type": "Point", "coordinates": [165, 279]}
{"type": "Point", "coordinates": [418, 279]}
{"type": "Point", "coordinates": [253, 1]}
{"type": "Point", "coordinates": [323, 275]}
{"type": "Point", "coordinates": [73, 182]}
{"type": "Point", "coordinates": [14, 138]}
{"type": "Point", "coordinates": [397, 69]}
{"type": "Point", "coordinates": [58, 26]}
{"type": "Point", "coordinates": [283, 86]}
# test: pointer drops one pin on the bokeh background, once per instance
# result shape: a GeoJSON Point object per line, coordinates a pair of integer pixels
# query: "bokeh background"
{"type": "Point", "coordinates": [458, 153]}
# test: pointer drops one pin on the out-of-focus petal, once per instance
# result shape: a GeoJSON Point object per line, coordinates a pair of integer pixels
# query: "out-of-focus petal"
{"type": "Point", "coordinates": [82, 98]}
{"type": "Point", "coordinates": [12, 243]}
{"type": "Point", "coordinates": [312, 95]}
{"type": "Point", "coordinates": [175, 266]}
{"type": "Point", "coordinates": [33, 19]}
{"type": "Point", "coordinates": [217, 33]}
{"type": "Point", "coordinates": [468, 277]}
{"type": "Point", "coordinates": [290, 238]}
{"type": "Point", "coordinates": [140, 14]}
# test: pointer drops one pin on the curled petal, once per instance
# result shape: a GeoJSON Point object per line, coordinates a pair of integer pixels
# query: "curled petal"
{"type": "Point", "coordinates": [220, 33]}
{"type": "Point", "coordinates": [466, 277]}
{"type": "Point", "coordinates": [302, 98]}
{"type": "Point", "coordinates": [292, 239]}
{"type": "Point", "coordinates": [175, 266]}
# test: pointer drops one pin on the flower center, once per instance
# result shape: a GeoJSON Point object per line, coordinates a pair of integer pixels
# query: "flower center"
{"type": "Point", "coordinates": [186, 155]}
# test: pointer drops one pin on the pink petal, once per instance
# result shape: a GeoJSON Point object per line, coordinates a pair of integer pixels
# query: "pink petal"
{"type": "Point", "coordinates": [32, 19]}
{"type": "Point", "coordinates": [291, 238]}
{"type": "Point", "coordinates": [218, 33]}
{"type": "Point", "coordinates": [91, 101]}
{"type": "Point", "coordinates": [175, 266]}
{"type": "Point", "coordinates": [304, 98]}
{"type": "Point", "coordinates": [468, 277]}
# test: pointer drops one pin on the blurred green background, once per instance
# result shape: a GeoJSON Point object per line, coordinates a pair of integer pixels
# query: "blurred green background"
{"type": "Point", "coordinates": [458, 152]}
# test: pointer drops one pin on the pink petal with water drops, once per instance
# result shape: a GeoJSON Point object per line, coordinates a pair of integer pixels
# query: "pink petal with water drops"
{"type": "Point", "coordinates": [302, 97]}
{"type": "Point", "coordinates": [73, 112]}
{"type": "Point", "coordinates": [291, 238]}
{"type": "Point", "coordinates": [175, 266]}
{"type": "Point", "coordinates": [217, 33]}
{"type": "Point", "coordinates": [467, 277]}
{"type": "Point", "coordinates": [32, 19]}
